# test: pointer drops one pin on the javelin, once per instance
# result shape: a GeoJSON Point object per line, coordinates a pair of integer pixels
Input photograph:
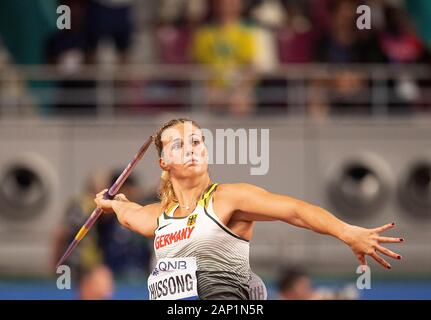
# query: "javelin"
{"type": "Point", "coordinates": [113, 190]}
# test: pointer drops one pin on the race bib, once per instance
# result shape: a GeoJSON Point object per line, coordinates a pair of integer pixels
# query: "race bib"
{"type": "Point", "coordinates": [173, 279]}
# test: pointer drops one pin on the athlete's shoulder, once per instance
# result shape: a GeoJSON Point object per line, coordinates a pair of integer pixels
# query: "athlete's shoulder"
{"type": "Point", "coordinates": [233, 187]}
{"type": "Point", "coordinates": [154, 209]}
{"type": "Point", "coordinates": [235, 191]}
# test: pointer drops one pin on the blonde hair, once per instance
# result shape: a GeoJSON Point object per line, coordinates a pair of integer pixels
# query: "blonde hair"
{"type": "Point", "coordinates": [165, 191]}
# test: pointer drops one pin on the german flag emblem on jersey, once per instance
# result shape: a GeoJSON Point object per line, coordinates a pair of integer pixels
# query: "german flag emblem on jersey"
{"type": "Point", "coordinates": [192, 220]}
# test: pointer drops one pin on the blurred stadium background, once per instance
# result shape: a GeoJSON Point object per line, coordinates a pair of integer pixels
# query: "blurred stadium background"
{"type": "Point", "coordinates": [349, 113]}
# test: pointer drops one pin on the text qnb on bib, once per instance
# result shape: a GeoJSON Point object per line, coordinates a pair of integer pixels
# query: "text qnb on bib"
{"type": "Point", "coordinates": [173, 279]}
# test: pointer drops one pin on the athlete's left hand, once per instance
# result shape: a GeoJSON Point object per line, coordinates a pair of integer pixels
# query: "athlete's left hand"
{"type": "Point", "coordinates": [364, 242]}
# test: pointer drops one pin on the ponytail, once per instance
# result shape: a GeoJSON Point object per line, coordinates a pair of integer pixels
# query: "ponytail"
{"type": "Point", "coordinates": [166, 191]}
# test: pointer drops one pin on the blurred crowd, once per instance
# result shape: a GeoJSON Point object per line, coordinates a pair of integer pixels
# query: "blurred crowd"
{"type": "Point", "coordinates": [295, 283]}
{"type": "Point", "coordinates": [244, 46]}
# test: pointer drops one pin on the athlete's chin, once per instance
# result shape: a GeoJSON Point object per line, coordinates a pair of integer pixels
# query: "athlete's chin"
{"type": "Point", "coordinates": [195, 168]}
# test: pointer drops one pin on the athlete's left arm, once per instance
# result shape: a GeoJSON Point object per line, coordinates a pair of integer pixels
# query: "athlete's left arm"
{"type": "Point", "coordinates": [251, 203]}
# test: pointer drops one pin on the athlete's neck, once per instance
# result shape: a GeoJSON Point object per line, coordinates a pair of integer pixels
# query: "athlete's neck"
{"type": "Point", "coordinates": [189, 191]}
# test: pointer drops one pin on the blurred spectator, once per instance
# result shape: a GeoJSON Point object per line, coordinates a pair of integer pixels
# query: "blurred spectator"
{"type": "Point", "coordinates": [295, 37]}
{"type": "Point", "coordinates": [420, 15]}
{"type": "Point", "coordinates": [86, 262]}
{"type": "Point", "coordinates": [14, 95]}
{"type": "Point", "coordinates": [177, 22]}
{"type": "Point", "coordinates": [178, 19]}
{"type": "Point", "coordinates": [399, 40]}
{"type": "Point", "coordinates": [67, 50]}
{"type": "Point", "coordinates": [110, 20]}
{"type": "Point", "coordinates": [173, 34]}
{"type": "Point", "coordinates": [227, 46]}
{"type": "Point", "coordinates": [96, 283]}
{"type": "Point", "coordinates": [345, 91]}
{"type": "Point", "coordinates": [263, 17]}
{"type": "Point", "coordinates": [268, 13]}
{"type": "Point", "coordinates": [67, 47]}
{"type": "Point", "coordinates": [295, 284]}
{"type": "Point", "coordinates": [174, 11]}
{"type": "Point", "coordinates": [320, 15]}
{"type": "Point", "coordinates": [174, 43]}
{"type": "Point", "coordinates": [345, 43]}
{"type": "Point", "coordinates": [401, 45]}
{"type": "Point", "coordinates": [25, 26]}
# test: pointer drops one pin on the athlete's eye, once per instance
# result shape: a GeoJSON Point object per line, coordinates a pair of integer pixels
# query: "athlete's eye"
{"type": "Point", "coordinates": [176, 146]}
{"type": "Point", "coordinates": [195, 142]}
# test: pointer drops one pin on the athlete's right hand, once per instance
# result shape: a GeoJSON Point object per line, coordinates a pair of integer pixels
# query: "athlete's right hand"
{"type": "Point", "coordinates": [106, 205]}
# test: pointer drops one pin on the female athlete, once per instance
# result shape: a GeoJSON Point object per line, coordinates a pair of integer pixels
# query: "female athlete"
{"type": "Point", "coordinates": [202, 229]}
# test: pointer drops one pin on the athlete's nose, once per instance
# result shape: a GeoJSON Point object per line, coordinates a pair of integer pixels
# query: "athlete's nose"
{"type": "Point", "coordinates": [188, 149]}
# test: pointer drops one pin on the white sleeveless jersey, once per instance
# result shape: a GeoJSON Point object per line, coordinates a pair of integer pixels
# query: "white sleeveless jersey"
{"type": "Point", "coordinates": [222, 257]}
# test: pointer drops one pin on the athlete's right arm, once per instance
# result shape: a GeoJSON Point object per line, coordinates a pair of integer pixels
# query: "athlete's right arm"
{"type": "Point", "coordinates": [141, 219]}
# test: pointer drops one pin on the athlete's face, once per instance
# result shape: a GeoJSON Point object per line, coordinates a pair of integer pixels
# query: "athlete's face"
{"type": "Point", "coordinates": [184, 152]}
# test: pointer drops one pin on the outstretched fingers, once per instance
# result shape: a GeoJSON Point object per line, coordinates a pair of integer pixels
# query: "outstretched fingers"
{"type": "Point", "coordinates": [389, 240]}
{"type": "Point", "coordinates": [363, 261]}
{"type": "Point", "coordinates": [380, 260]}
{"type": "Point", "coordinates": [388, 252]}
{"type": "Point", "coordinates": [384, 227]}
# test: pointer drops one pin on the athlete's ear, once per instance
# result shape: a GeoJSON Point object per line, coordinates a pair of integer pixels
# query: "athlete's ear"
{"type": "Point", "coordinates": [162, 163]}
